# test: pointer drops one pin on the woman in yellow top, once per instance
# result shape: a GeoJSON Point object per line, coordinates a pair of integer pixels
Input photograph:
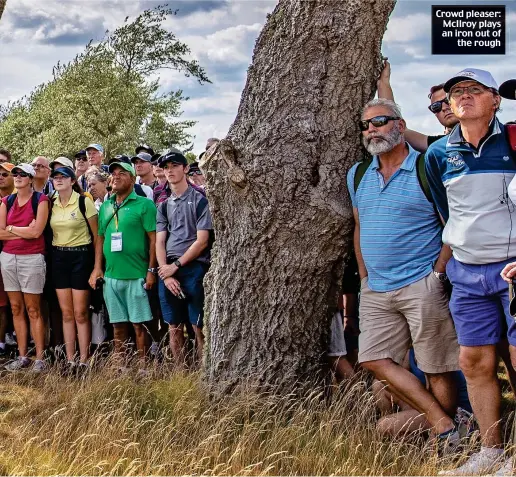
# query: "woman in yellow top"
{"type": "Point", "coordinates": [74, 236]}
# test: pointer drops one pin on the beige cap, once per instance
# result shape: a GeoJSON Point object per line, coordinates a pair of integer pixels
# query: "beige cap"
{"type": "Point", "coordinates": [64, 161]}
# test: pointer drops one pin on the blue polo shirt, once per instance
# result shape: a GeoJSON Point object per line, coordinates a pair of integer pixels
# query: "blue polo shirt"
{"type": "Point", "coordinates": [469, 186]}
{"type": "Point", "coordinates": [400, 232]}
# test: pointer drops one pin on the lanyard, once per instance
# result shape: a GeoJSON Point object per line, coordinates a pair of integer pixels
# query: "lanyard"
{"type": "Point", "coordinates": [115, 213]}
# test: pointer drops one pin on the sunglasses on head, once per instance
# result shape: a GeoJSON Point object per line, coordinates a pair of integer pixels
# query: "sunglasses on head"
{"type": "Point", "coordinates": [377, 122]}
{"type": "Point", "coordinates": [437, 106]}
{"type": "Point", "coordinates": [19, 174]}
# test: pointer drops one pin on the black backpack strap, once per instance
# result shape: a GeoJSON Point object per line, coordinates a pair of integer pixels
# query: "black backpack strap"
{"type": "Point", "coordinates": [82, 208]}
{"type": "Point", "coordinates": [422, 179]}
{"type": "Point", "coordinates": [361, 170]}
{"type": "Point", "coordinates": [201, 205]}
{"type": "Point", "coordinates": [163, 208]}
{"type": "Point", "coordinates": [138, 189]}
{"type": "Point", "coordinates": [36, 196]}
{"type": "Point", "coordinates": [10, 201]}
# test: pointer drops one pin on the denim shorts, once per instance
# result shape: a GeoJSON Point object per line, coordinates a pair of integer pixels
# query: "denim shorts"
{"type": "Point", "coordinates": [480, 303]}
{"type": "Point", "coordinates": [177, 311]}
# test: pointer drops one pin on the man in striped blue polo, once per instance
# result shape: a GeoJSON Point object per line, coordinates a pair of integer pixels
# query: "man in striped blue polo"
{"type": "Point", "coordinates": [401, 264]}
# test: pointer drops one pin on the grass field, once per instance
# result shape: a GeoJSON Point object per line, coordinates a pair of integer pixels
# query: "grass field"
{"type": "Point", "coordinates": [167, 425]}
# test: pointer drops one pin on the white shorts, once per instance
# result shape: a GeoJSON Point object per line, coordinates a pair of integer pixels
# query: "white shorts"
{"type": "Point", "coordinates": [23, 273]}
{"type": "Point", "coordinates": [337, 345]}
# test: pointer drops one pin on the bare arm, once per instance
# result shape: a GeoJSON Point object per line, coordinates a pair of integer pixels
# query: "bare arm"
{"type": "Point", "coordinates": [196, 248]}
{"type": "Point", "coordinates": [384, 82]}
{"type": "Point", "coordinates": [161, 252]}
{"type": "Point", "coordinates": [190, 255]}
{"type": "Point", "coordinates": [442, 260]}
{"type": "Point", "coordinates": [4, 234]}
{"type": "Point", "coordinates": [152, 249]}
{"type": "Point", "coordinates": [417, 140]}
{"type": "Point", "coordinates": [99, 256]}
{"type": "Point", "coordinates": [150, 280]}
{"type": "Point", "coordinates": [33, 232]}
{"type": "Point", "coordinates": [362, 271]}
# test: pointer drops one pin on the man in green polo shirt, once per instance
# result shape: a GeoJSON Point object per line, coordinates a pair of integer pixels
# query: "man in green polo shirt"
{"type": "Point", "coordinates": [127, 241]}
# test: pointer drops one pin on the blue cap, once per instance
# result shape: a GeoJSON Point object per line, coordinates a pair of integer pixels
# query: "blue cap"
{"type": "Point", "coordinates": [143, 156]}
{"type": "Point", "coordinates": [98, 147]}
{"type": "Point", "coordinates": [64, 171]}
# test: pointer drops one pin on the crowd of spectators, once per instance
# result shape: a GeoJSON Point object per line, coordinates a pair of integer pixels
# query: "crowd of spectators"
{"type": "Point", "coordinates": [115, 250]}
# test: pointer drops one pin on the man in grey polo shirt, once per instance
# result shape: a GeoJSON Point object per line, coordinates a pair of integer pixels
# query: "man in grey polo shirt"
{"type": "Point", "coordinates": [182, 247]}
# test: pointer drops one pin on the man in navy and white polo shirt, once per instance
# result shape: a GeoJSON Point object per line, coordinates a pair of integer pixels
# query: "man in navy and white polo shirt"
{"type": "Point", "coordinates": [469, 172]}
{"type": "Point", "coordinates": [403, 300]}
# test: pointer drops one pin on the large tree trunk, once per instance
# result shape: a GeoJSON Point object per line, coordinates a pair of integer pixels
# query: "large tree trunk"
{"type": "Point", "coordinates": [277, 192]}
{"type": "Point", "coordinates": [2, 7]}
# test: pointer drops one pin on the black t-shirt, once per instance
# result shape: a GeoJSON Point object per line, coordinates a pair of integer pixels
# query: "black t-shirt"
{"type": "Point", "coordinates": [432, 139]}
{"type": "Point", "coordinates": [351, 279]}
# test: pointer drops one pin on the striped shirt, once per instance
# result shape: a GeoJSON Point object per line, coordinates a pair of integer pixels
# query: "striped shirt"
{"type": "Point", "coordinates": [470, 187]}
{"type": "Point", "coordinates": [400, 232]}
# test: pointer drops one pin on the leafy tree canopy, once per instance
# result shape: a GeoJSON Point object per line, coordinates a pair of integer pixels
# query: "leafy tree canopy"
{"type": "Point", "coordinates": [109, 94]}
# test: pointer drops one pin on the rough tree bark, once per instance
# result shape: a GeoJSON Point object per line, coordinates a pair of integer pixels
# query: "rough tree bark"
{"type": "Point", "coordinates": [277, 192]}
{"type": "Point", "coordinates": [2, 7]}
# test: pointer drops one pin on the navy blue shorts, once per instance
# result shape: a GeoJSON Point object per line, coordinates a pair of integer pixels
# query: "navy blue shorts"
{"type": "Point", "coordinates": [177, 311]}
{"type": "Point", "coordinates": [479, 303]}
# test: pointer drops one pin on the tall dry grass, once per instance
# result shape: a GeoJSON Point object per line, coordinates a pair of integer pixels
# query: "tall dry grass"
{"type": "Point", "coordinates": [166, 425]}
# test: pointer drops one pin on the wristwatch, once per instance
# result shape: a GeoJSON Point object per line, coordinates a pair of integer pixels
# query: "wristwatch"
{"type": "Point", "coordinates": [152, 270]}
{"type": "Point", "coordinates": [177, 263]}
{"type": "Point", "coordinates": [10, 229]}
{"type": "Point", "coordinates": [442, 277]}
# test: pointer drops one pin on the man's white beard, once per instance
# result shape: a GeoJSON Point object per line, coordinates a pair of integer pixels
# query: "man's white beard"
{"type": "Point", "coordinates": [390, 141]}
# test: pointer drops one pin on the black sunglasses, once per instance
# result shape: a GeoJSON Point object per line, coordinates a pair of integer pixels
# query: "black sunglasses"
{"type": "Point", "coordinates": [377, 122]}
{"type": "Point", "coordinates": [82, 159]}
{"type": "Point", "coordinates": [437, 106]}
{"type": "Point", "coordinates": [5, 174]}
{"type": "Point", "coordinates": [19, 174]}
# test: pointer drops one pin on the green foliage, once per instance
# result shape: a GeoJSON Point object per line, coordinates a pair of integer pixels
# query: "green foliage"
{"type": "Point", "coordinates": [105, 95]}
{"type": "Point", "coordinates": [190, 157]}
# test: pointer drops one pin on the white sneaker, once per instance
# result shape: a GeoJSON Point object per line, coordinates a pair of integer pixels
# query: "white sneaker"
{"type": "Point", "coordinates": [480, 463]}
{"type": "Point", "coordinates": [39, 366]}
{"type": "Point", "coordinates": [18, 364]}
{"type": "Point", "coordinates": [506, 468]}
{"type": "Point", "coordinates": [154, 349]}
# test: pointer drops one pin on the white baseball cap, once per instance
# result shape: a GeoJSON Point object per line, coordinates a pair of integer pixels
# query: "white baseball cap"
{"type": "Point", "coordinates": [471, 74]}
{"type": "Point", "coordinates": [64, 161]}
{"type": "Point", "coordinates": [27, 168]}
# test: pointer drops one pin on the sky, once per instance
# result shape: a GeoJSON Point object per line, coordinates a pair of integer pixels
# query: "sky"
{"type": "Point", "coordinates": [36, 34]}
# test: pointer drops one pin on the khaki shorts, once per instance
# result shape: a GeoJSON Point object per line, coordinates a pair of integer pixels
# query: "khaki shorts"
{"type": "Point", "coordinates": [25, 273]}
{"type": "Point", "coordinates": [417, 314]}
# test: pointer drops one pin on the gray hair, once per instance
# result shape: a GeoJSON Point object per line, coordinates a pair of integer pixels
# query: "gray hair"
{"type": "Point", "coordinates": [96, 174]}
{"type": "Point", "coordinates": [387, 103]}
